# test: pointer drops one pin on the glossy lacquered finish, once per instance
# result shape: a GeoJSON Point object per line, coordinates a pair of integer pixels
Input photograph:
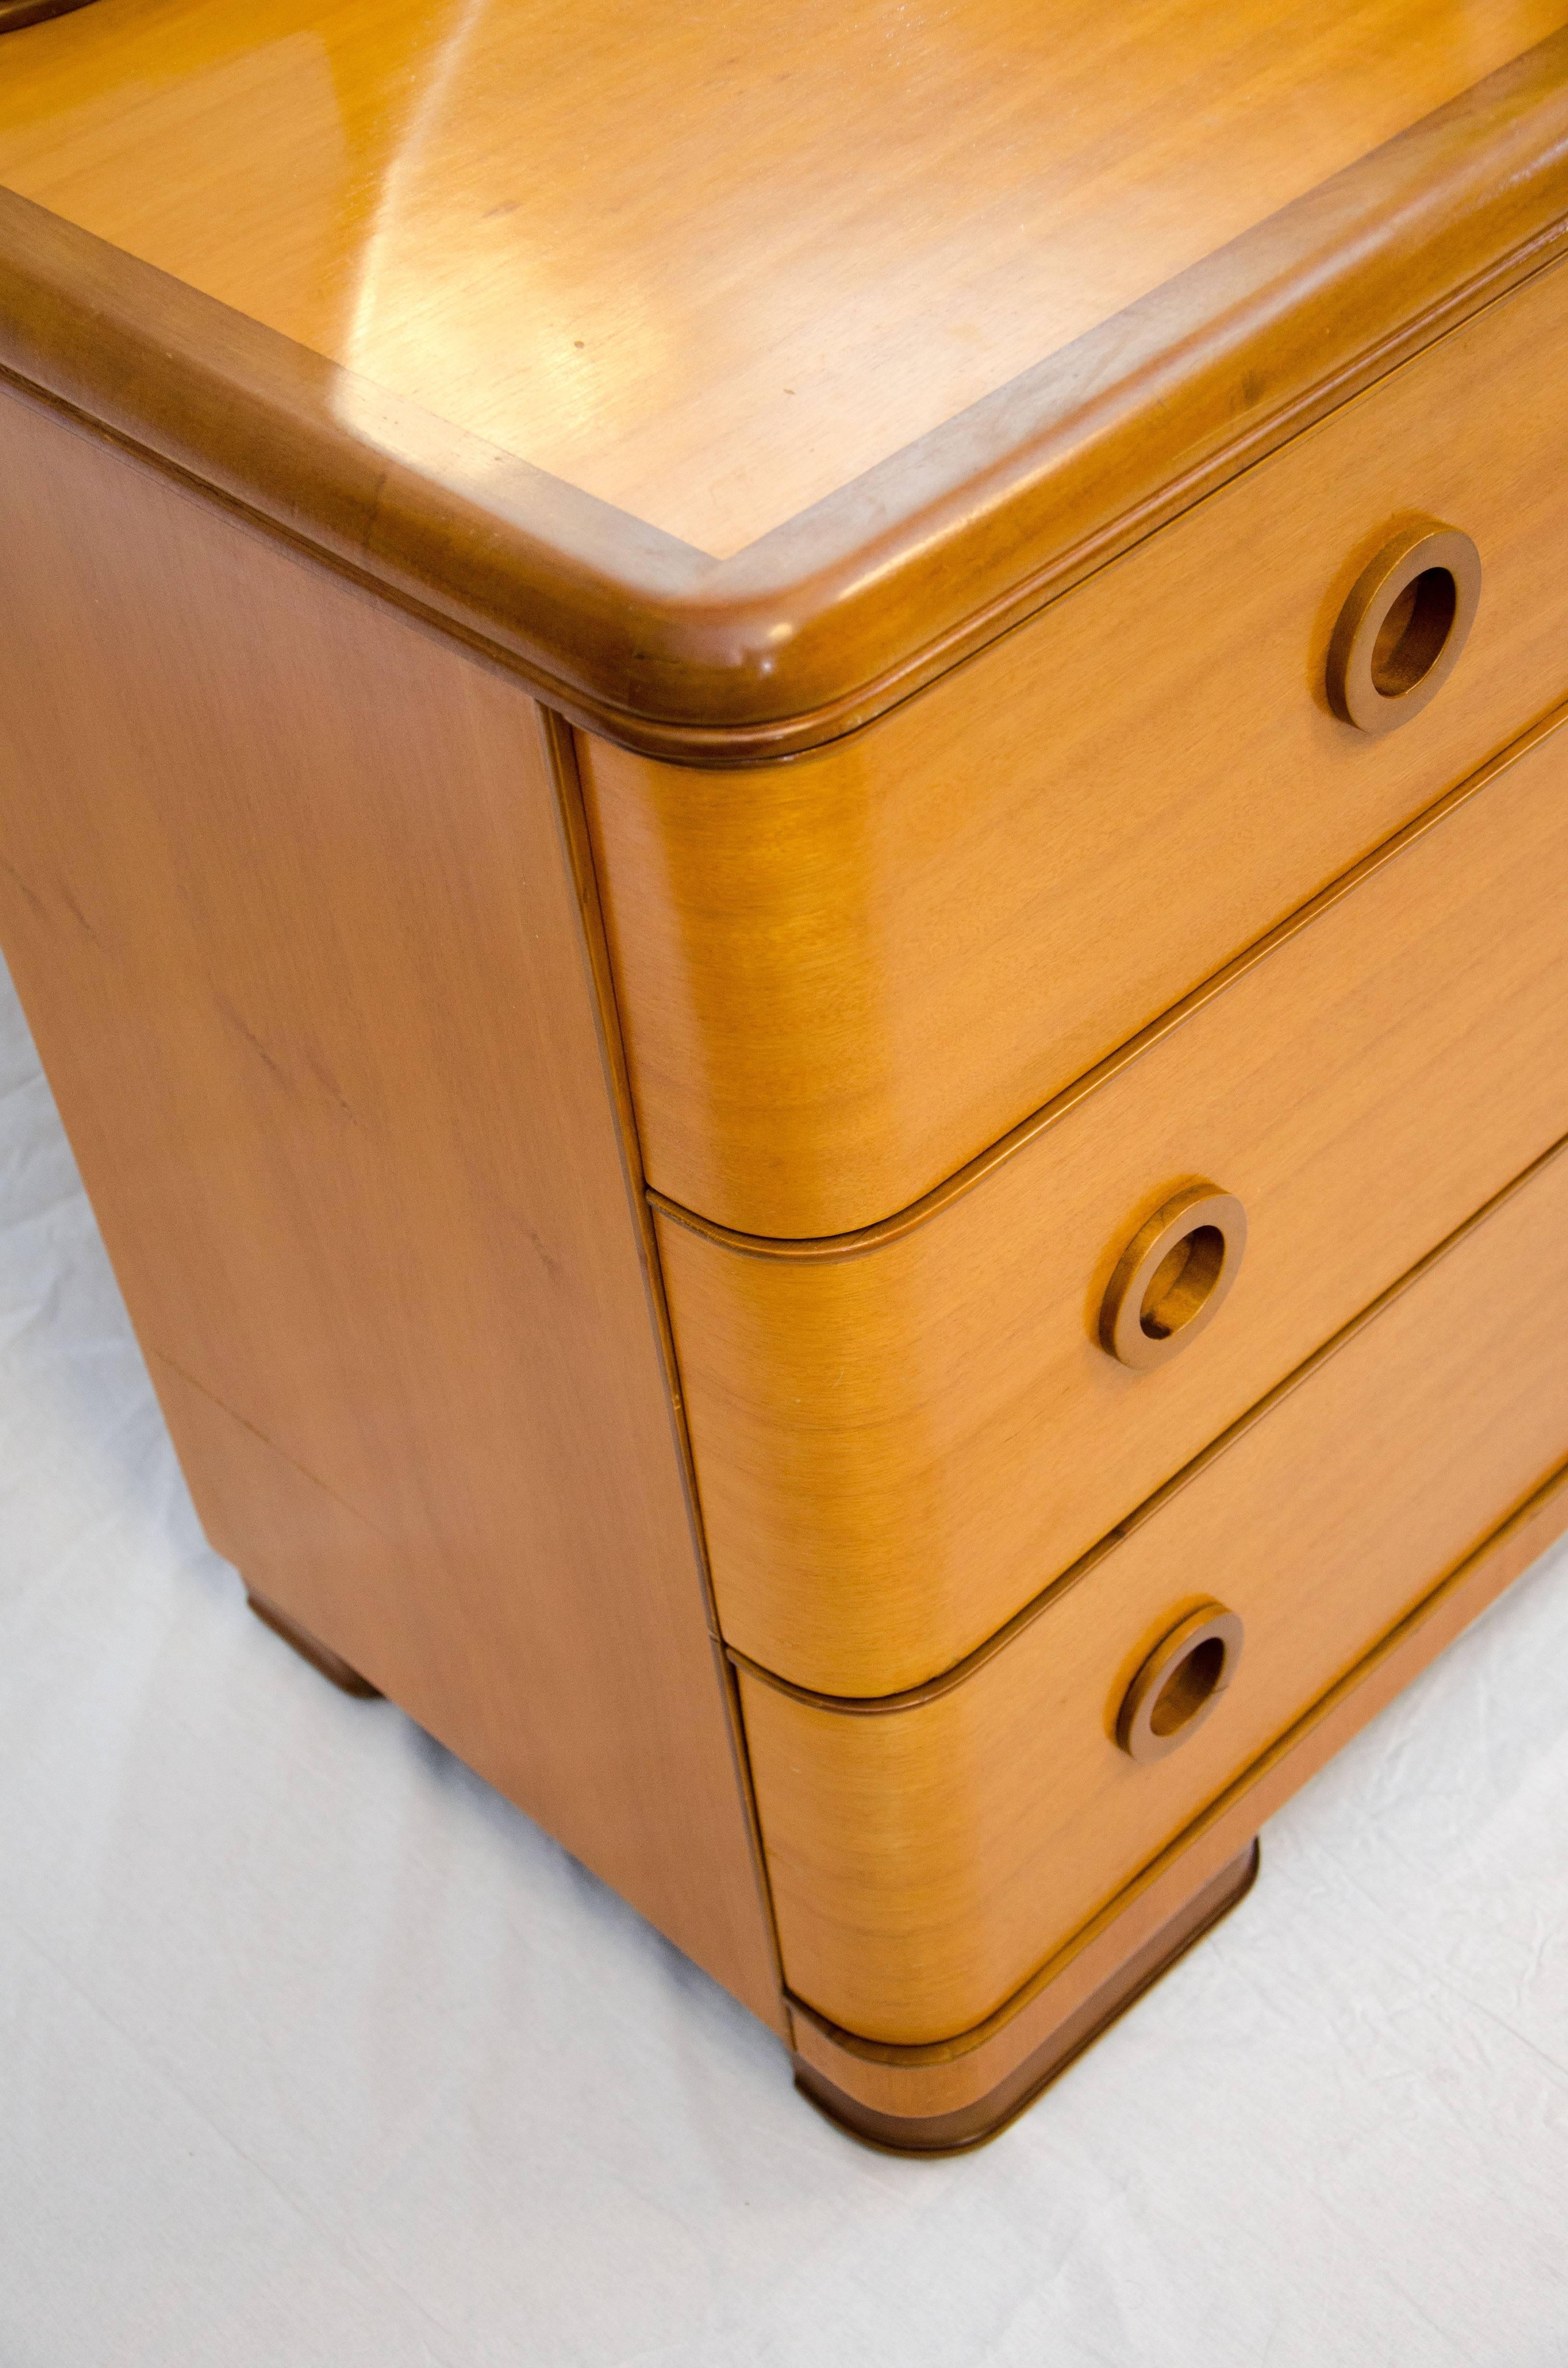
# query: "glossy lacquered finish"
{"type": "Point", "coordinates": [735, 464]}
{"type": "Point", "coordinates": [926, 1856]}
{"type": "Point", "coordinates": [977, 2077]}
{"type": "Point", "coordinates": [843, 978]}
{"type": "Point", "coordinates": [702, 823]}
{"type": "Point", "coordinates": [901, 1439]}
{"type": "Point", "coordinates": [453, 200]}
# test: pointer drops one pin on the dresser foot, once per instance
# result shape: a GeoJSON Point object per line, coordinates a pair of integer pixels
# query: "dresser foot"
{"type": "Point", "coordinates": [320, 1657]}
{"type": "Point", "coordinates": [974, 2124]}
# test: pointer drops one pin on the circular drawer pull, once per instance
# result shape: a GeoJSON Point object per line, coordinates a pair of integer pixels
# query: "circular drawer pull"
{"type": "Point", "coordinates": [1172, 1277]}
{"type": "Point", "coordinates": [1180, 1682]}
{"type": "Point", "coordinates": [1401, 631]}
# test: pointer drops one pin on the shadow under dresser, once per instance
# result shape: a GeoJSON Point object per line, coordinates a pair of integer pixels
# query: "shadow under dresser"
{"type": "Point", "coordinates": [789, 835]}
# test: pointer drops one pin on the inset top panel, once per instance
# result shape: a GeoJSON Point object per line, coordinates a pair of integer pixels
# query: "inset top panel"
{"type": "Point", "coordinates": [749, 293]}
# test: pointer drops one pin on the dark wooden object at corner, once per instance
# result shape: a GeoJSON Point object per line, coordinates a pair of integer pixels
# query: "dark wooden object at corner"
{"type": "Point", "coordinates": [14, 13]}
{"type": "Point", "coordinates": [331, 1665]}
{"type": "Point", "coordinates": [974, 2125]}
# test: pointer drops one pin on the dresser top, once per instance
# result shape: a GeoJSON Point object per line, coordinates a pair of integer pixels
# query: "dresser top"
{"type": "Point", "coordinates": [738, 366]}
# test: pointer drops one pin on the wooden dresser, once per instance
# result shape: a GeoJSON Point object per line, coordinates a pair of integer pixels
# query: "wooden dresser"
{"type": "Point", "coordinates": [784, 808]}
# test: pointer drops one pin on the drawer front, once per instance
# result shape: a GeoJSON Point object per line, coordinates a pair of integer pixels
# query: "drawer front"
{"type": "Point", "coordinates": [897, 1450]}
{"type": "Point", "coordinates": [842, 977]}
{"type": "Point", "coordinates": [924, 1858]}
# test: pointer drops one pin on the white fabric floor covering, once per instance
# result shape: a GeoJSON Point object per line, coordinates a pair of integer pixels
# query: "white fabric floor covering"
{"type": "Point", "coordinates": [312, 2050]}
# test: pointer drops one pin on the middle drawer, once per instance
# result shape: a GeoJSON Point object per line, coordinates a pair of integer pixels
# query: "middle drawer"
{"type": "Point", "coordinates": [901, 1436]}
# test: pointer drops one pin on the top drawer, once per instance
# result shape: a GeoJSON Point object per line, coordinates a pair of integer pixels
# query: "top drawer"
{"type": "Point", "coordinates": [842, 976]}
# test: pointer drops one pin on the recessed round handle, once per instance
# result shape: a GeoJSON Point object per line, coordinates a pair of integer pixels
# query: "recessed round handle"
{"type": "Point", "coordinates": [1180, 1682]}
{"type": "Point", "coordinates": [1173, 1277]}
{"type": "Point", "coordinates": [1401, 631]}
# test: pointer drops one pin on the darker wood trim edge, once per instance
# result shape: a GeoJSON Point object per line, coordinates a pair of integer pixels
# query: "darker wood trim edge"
{"type": "Point", "coordinates": [322, 1659]}
{"type": "Point", "coordinates": [1468, 1587]}
{"type": "Point", "coordinates": [976, 2125]}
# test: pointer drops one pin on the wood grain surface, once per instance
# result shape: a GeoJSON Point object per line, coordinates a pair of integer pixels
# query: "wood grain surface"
{"type": "Point", "coordinates": [821, 404]}
{"type": "Point", "coordinates": [453, 200]}
{"type": "Point", "coordinates": [912, 2131]}
{"type": "Point", "coordinates": [898, 1447]}
{"type": "Point", "coordinates": [955, 2074]}
{"type": "Point", "coordinates": [842, 978]}
{"type": "Point", "coordinates": [926, 1859]}
{"type": "Point", "coordinates": [285, 893]}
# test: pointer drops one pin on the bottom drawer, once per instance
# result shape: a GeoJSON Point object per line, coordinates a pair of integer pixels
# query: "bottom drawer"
{"type": "Point", "coordinates": [926, 1852]}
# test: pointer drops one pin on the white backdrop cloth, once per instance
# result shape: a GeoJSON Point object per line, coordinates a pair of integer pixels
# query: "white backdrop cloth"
{"type": "Point", "coordinates": [315, 2052]}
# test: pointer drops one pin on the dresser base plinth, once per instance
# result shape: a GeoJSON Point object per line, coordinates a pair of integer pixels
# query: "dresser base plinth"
{"type": "Point", "coordinates": [974, 2125]}
{"type": "Point", "coordinates": [321, 1656]}
{"type": "Point", "coordinates": [937, 2098]}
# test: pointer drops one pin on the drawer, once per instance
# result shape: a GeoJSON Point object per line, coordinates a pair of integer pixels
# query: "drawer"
{"type": "Point", "coordinates": [841, 977]}
{"type": "Point", "coordinates": [925, 1855]}
{"type": "Point", "coordinates": [897, 1448]}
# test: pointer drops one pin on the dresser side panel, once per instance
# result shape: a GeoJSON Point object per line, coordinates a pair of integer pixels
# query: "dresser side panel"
{"type": "Point", "coordinates": [287, 891]}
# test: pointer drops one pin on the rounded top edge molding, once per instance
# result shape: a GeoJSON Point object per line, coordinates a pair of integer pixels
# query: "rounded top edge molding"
{"type": "Point", "coordinates": [812, 632]}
